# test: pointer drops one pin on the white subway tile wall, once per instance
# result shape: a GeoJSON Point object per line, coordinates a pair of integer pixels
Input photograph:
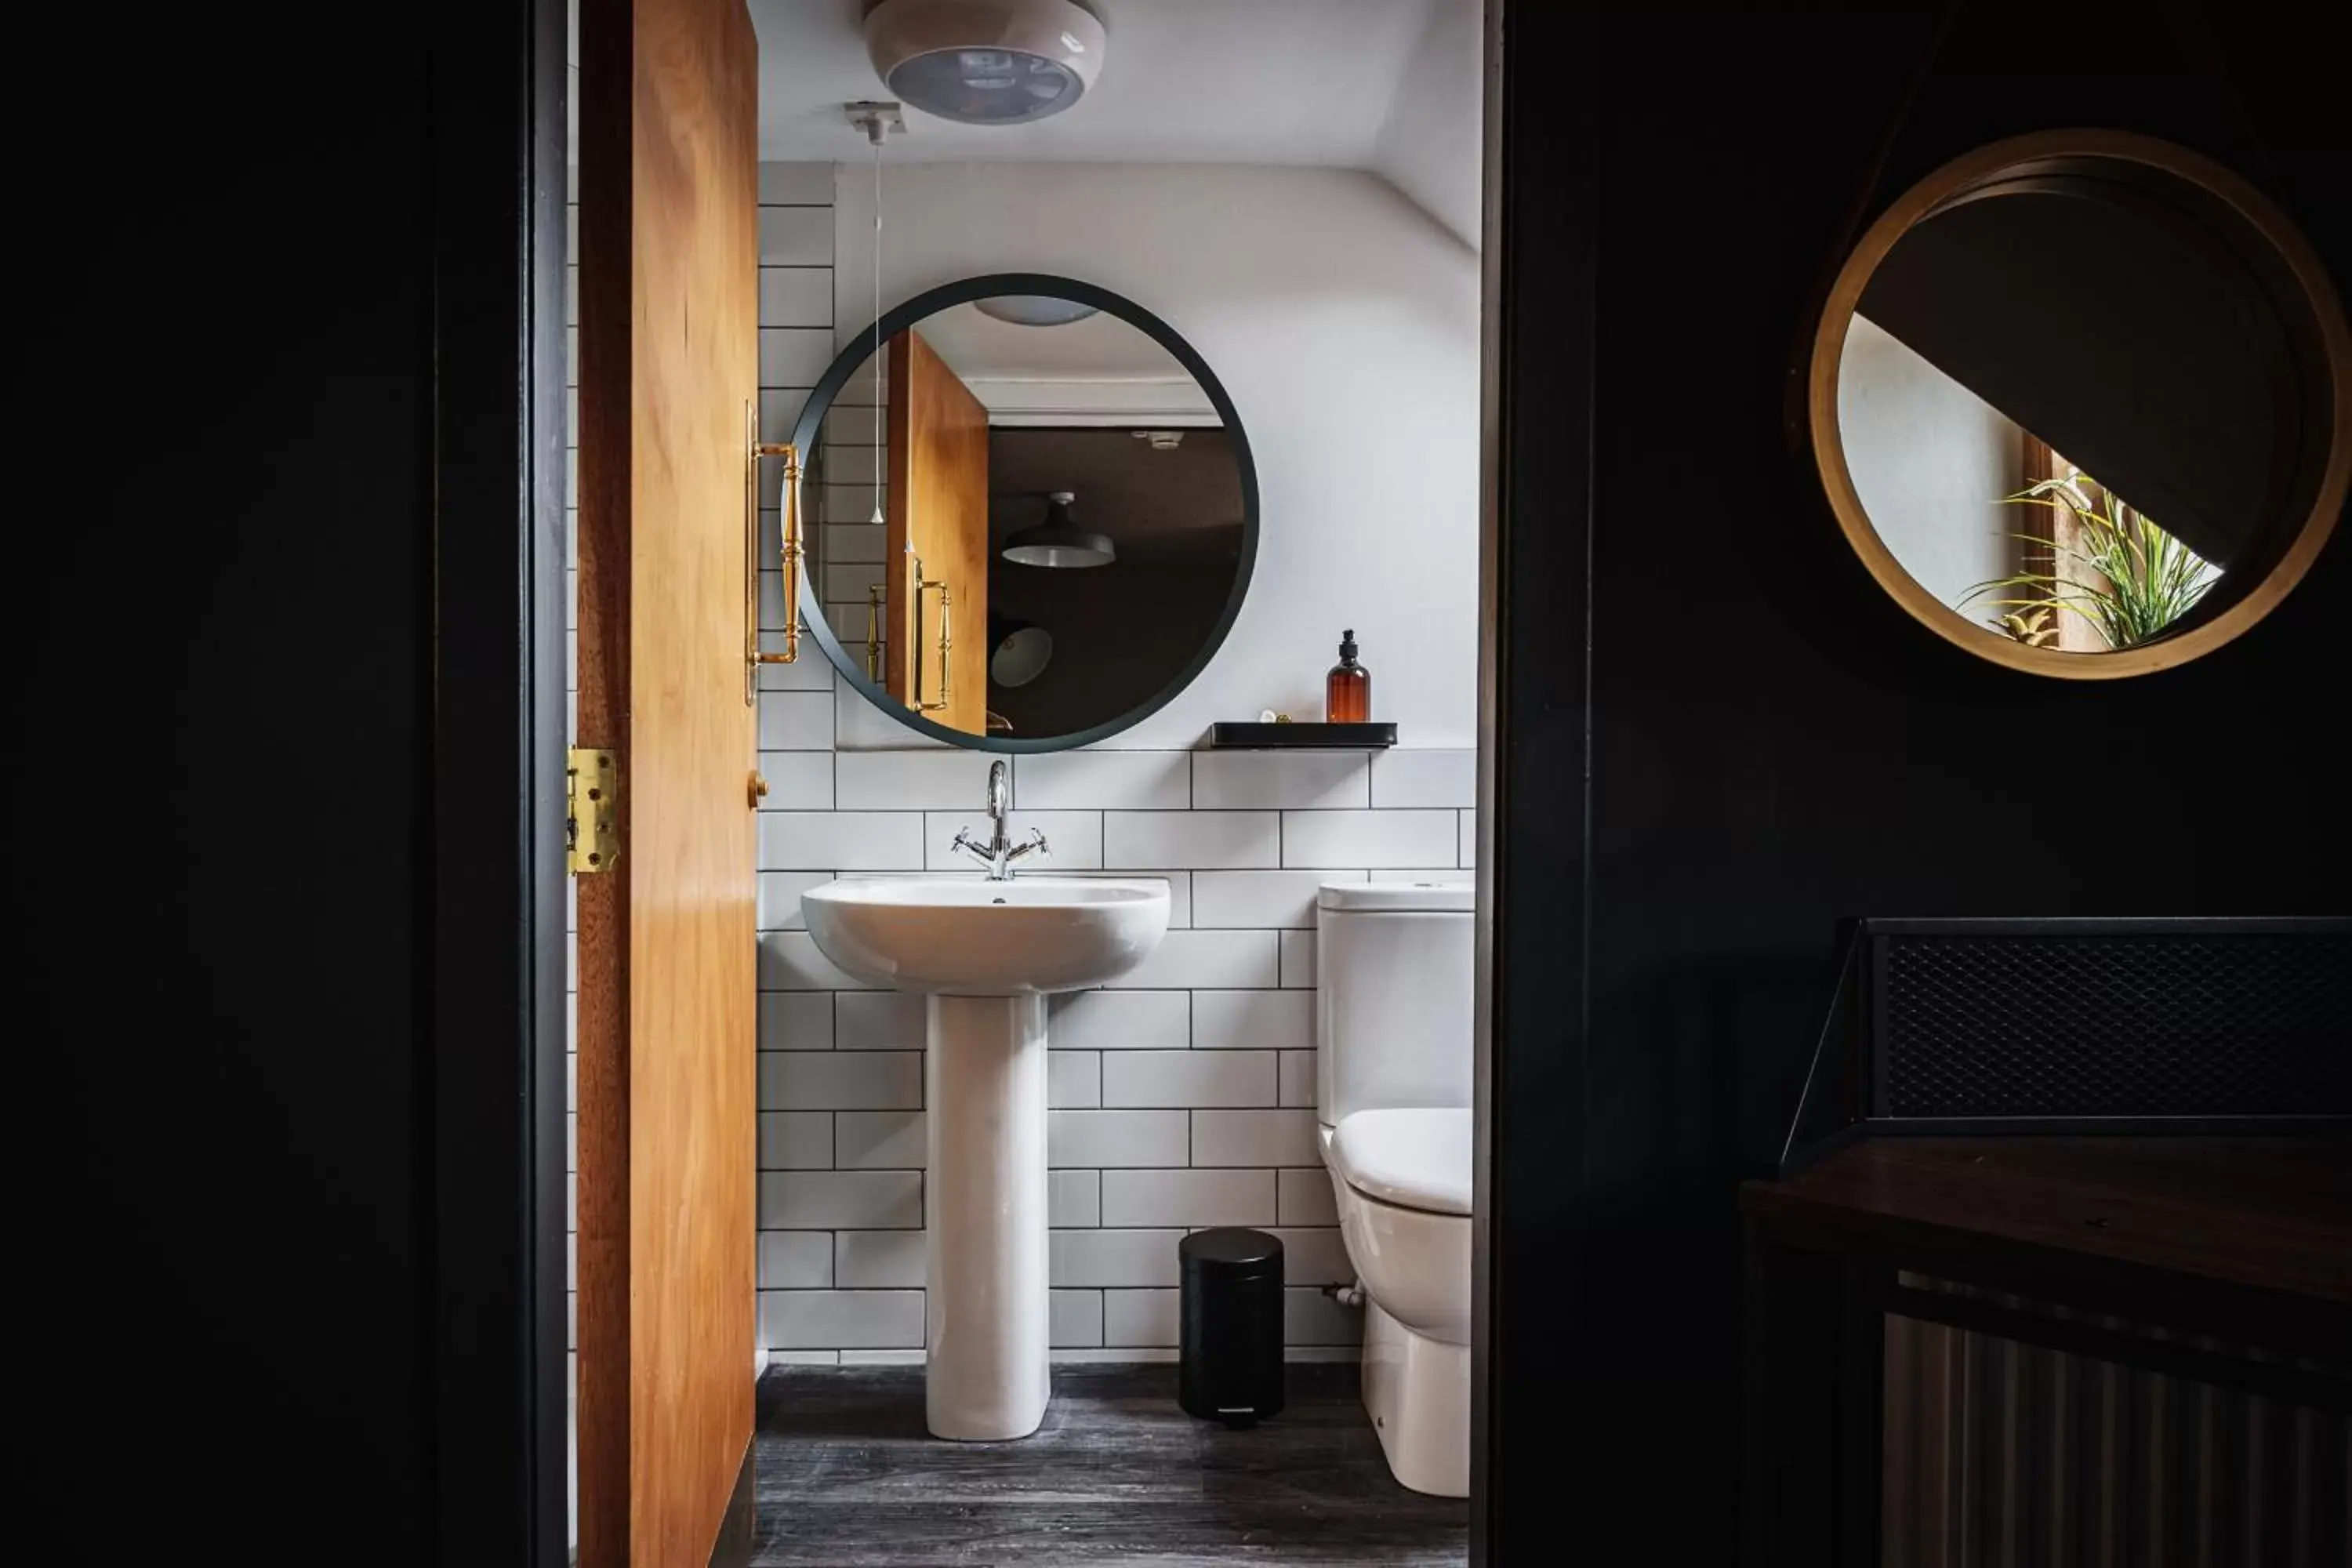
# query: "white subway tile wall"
{"type": "Point", "coordinates": [1403, 779]}
{"type": "Point", "coordinates": [1241, 780]}
{"type": "Point", "coordinates": [1073, 1198]}
{"type": "Point", "coordinates": [1258, 899]}
{"type": "Point", "coordinates": [1387, 838]}
{"type": "Point", "coordinates": [1188, 1079]}
{"type": "Point", "coordinates": [1181, 1097]}
{"type": "Point", "coordinates": [1127, 781]}
{"type": "Point", "coordinates": [1190, 838]}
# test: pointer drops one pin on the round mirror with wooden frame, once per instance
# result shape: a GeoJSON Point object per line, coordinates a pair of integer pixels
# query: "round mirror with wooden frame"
{"type": "Point", "coordinates": [2082, 403]}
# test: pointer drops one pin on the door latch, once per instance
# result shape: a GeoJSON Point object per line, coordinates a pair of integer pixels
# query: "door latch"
{"type": "Point", "coordinates": [592, 782]}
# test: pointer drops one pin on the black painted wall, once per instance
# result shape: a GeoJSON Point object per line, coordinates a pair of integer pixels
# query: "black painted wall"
{"type": "Point", "coordinates": [1720, 738]}
{"type": "Point", "coordinates": [284, 554]}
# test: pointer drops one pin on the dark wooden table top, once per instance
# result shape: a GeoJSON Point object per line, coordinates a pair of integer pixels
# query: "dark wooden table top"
{"type": "Point", "coordinates": [2263, 1219]}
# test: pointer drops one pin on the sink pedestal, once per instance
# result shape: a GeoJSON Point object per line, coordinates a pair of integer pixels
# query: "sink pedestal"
{"type": "Point", "coordinates": [986, 955]}
{"type": "Point", "coordinates": [984, 1218]}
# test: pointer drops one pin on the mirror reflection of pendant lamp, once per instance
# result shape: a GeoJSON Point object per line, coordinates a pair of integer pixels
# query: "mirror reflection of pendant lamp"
{"type": "Point", "coordinates": [1018, 652]}
{"type": "Point", "coordinates": [1059, 541]}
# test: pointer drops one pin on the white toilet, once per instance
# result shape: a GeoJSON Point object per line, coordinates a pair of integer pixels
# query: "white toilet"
{"type": "Point", "coordinates": [1393, 1019]}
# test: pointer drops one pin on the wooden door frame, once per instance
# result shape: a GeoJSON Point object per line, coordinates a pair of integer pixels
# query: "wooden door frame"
{"type": "Point", "coordinates": [499, 1217]}
{"type": "Point", "coordinates": [494, 923]}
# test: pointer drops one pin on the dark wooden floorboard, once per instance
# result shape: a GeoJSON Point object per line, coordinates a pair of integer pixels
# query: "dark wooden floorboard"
{"type": "Point", "coordinates": [848, 1478]}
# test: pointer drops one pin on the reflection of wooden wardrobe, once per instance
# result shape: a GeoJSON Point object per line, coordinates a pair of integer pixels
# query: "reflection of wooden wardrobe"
{"type": "Point", "coordinates": [938, 542]}
{"type": "Point", "coordinates": [2050, 542]}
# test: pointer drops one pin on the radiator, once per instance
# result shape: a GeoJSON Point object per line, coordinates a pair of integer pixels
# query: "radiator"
{"type": "Point", "coordinates": [2001, 1455]}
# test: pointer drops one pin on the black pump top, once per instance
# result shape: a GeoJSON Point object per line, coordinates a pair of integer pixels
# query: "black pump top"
{"type": "Point", "coordinates": [1348, 645]}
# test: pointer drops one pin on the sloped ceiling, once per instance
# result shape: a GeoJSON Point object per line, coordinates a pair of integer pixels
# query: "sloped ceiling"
{"type": "Point", "coordinates": [1387, 86]}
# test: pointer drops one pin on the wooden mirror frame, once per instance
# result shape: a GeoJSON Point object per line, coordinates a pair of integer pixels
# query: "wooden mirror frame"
{"type": "Point", "coordinates": [1981, 167]}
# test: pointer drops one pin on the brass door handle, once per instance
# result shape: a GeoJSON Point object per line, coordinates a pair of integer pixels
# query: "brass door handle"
{"type": "Point", "coordinates": [947, 641]}
{"type": "Point", "coordinates": [759, 788]}
{"type": "Point", "coordinates": [788, 548]}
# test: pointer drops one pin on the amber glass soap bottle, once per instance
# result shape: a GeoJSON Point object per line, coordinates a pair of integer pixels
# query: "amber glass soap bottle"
{"type": "Point", "coordinates": [1347, 689]}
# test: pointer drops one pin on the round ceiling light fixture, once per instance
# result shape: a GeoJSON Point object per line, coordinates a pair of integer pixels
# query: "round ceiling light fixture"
{"type": "Point", "coordinates": [986, 62]}
{"type": "Point", "coordinates": [1034, 309]}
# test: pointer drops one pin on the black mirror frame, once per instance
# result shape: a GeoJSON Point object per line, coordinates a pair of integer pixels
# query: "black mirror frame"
{"type": "Point", "coordinates": [963, 291]}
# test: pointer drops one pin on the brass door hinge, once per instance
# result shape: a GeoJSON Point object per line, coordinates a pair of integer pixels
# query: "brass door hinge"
{"type": "Point", "coordinates": [592, 783]}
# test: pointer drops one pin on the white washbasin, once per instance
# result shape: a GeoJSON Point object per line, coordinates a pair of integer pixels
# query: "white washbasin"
{"type": "Point", "coordinates": [965, 937]}
{"type": "Point", "coordinates": [984, 954]}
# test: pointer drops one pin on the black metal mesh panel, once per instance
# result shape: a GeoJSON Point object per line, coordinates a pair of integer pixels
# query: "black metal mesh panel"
{"type": "Point", "coordinates": [2034, 1023]}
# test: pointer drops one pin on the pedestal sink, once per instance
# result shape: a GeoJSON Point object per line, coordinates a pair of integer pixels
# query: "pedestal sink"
{"type": "Point", "coordinates": [985, 955]}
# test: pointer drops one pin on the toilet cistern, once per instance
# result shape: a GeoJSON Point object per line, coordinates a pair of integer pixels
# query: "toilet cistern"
{"type": "Point", "coordinates": [999, 853]}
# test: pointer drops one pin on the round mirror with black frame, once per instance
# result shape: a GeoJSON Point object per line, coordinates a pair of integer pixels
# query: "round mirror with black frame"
{"type": "Point", "coordinates": [2082, 403]}
{"type": "Point", "coordinates": [1029, 511]}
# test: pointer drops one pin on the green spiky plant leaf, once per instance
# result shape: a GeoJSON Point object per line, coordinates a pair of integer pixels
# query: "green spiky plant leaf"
{"type": "Point", "coordinates": [2145, 578]}
{"type": "Point", "coordinates": [2036, 627]}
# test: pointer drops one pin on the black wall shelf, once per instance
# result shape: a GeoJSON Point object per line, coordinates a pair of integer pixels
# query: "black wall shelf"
{"type": "Point", "coordinates": [1256, 737]}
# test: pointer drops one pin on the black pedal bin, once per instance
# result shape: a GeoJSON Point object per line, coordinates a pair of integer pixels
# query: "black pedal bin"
{"type": "Point", "coordinates": [1230, 1363]}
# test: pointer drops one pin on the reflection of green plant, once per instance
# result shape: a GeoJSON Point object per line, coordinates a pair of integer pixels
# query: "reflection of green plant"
{"type": "Point", "coordinates": [2036, 627]}
{"type": "Point", "coordinates": [2136, 579]}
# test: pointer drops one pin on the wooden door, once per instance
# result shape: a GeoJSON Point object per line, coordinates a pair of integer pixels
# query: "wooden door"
{"type": "Point", "coordinates": [668, 1051]}
{"type": "Point", "coordinates": [937, 513]}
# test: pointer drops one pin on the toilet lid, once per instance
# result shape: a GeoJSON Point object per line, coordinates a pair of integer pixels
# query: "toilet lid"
{"type": "Point", "coordinates": [1415, 1159]}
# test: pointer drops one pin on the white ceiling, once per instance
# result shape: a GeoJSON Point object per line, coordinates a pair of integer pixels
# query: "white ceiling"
{"type": "Point", "coordinates": [1100, 370]}
{"type": "Point", "coordinates": [1211, 81]}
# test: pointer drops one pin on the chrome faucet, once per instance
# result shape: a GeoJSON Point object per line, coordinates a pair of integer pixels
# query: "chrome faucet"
{"type": "Point", "coordinates": [999, 853]}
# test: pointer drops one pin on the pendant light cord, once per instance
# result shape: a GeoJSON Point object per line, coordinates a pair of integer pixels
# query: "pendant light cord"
{"type": "Point", "coordinates": [880, 368]}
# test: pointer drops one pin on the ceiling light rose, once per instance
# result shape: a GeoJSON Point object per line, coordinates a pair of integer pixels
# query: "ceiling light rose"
{"type": "Point", "coordinates": [986, 62]}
